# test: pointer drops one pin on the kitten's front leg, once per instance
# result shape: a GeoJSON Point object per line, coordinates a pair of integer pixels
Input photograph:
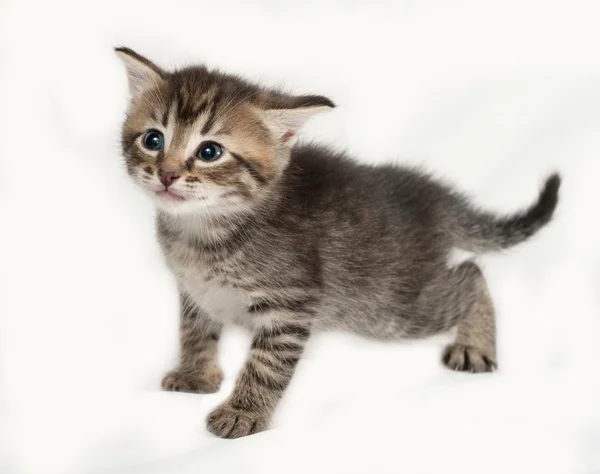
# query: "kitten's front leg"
{"type": "Point", "coordinates": [198, 369]}
{"type": "Point", "coordinates": [275, 352]}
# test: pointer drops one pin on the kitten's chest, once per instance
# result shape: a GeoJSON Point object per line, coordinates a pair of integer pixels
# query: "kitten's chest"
{"type": "Point", "coordinates": [211, 283]}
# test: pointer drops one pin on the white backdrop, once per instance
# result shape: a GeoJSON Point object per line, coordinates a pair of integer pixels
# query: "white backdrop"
{"type": "Point", "coordinates": [492, 95]}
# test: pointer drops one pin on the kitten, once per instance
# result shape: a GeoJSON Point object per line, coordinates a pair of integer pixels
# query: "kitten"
{"type": "Point", "coordinates": [287, 240]}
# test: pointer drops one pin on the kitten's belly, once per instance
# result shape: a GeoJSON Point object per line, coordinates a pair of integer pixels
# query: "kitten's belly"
{"type": "Point", "coordinates": [220, 302]}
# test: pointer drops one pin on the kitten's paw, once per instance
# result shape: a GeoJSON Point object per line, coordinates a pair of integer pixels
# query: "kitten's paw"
{"type": "Point", "coordinates": [228, 422]}
{"type": "Point", "coordinates": [468, 359]}
{"type": "Point", "coordinates": [205, 381]}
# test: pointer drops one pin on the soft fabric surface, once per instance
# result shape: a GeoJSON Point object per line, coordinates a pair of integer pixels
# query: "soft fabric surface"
{"type": "Point", "coordinates": [490, 95]}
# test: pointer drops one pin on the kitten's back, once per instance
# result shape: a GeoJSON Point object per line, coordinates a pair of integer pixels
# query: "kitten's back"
{"type": "Point", "coordinates": [407, 203]}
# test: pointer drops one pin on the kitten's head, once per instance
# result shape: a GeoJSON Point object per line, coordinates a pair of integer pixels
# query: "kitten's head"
{"type": "Point", "coordinates": [205, 142]}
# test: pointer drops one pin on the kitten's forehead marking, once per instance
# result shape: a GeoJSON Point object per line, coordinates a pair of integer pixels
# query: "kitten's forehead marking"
{"type": "Point", "coordinates": [214, 98]}
{"type": "Point", "coordinates": [188, 130]}
{"type": "Point", "coordinates": [213, 114]}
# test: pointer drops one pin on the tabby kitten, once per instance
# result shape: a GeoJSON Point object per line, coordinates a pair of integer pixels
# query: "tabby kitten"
{"type": "Point", "coordinates": [287, 240]}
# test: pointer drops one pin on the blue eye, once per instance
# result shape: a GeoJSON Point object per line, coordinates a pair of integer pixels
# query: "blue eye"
{"type": "Point", "coordinates": [209, 151]}
{"type": "Point", "coordinates": [153, 140]}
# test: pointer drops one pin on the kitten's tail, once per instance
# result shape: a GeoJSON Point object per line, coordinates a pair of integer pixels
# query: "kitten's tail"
{"type": "Point", "coordinates": [482, 231]}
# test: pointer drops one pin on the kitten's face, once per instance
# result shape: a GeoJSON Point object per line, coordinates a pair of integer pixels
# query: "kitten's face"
{"type": "Point", "coordinates": [202, 142]}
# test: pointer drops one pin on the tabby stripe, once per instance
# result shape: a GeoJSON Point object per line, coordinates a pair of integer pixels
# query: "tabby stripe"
{"type": "Point", "coordinates": [276, 360]}
{"type": "Point", "coordinates": [185, 108]}
{"type": "Point", "coordinates": [129, 140]}
{"type": "Point", "coordinates": [188, 309]}
{"type": "Point", "coordinates": [179, 103]}
{"type": "Point", "coordinates": [165, 118]}
{"type": "Point", "coordinates": [268, 344]}
{"type": "Point", "coordinates": [264, 378]}
{"type": "Point", "coordinates": [200, 108]}
{"type": "Point", "coordinates": [190, 313]}
{"type": "Point", "coordinates": [295, 330]}
{"type": "Point", "coordinates": [266, 375]}
{"type": "Point", "coordinates": [212, 115]}
{"type": "Point", "coordinates": [289, 305]}
{"type": "Point", "coordinates": [250, 167]}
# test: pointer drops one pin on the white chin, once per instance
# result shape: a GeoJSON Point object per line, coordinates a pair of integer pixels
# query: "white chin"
{"type": "Point", "coordinates": [203, 207]}
{"type": "Point", "coordinates": [178, 207]}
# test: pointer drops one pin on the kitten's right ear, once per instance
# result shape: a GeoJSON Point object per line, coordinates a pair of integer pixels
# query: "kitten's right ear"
{"type": "Point", "coordinates": [141, 72]}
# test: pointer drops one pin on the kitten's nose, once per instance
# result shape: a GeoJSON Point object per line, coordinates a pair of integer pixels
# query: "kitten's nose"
{"type": "Point", "coordinates": [167, 177]}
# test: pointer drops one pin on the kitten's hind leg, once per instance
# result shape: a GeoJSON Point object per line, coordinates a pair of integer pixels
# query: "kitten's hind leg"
{"type": "Point", "coordinates": [474, 349]}
{"type": "Point", "coordinates": [460, 298]}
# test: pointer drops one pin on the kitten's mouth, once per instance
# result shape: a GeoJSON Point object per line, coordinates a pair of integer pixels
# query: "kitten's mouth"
{"type": "Point", "coordinates": [169, 196]}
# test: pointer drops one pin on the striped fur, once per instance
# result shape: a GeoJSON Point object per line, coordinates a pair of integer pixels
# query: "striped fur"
{"type": "Point", "coordinates": [287, 240]}
{"type": "Point", "coordinates": [198, 369]}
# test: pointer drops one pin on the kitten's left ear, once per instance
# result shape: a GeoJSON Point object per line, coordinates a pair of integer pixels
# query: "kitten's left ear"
{"type": "Point", "coordinates": [141, 72]}
{"type": "Point", "coordinates": [285, 123]}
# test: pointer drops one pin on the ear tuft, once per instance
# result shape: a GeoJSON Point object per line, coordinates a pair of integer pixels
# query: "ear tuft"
{"type": "Point", "coordinates": [285, 123]}
{"type": "Point", "coordinates": [141, 72]}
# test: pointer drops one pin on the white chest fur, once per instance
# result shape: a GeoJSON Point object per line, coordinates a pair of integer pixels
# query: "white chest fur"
{"type": "Point", "coordinates": [205, 277]}
{"type": "Point", "coordinates": [219, 300]}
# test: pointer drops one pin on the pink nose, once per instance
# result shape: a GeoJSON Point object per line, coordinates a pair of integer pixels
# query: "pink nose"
{"type": "Point", "coordinates": [167, 177]}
